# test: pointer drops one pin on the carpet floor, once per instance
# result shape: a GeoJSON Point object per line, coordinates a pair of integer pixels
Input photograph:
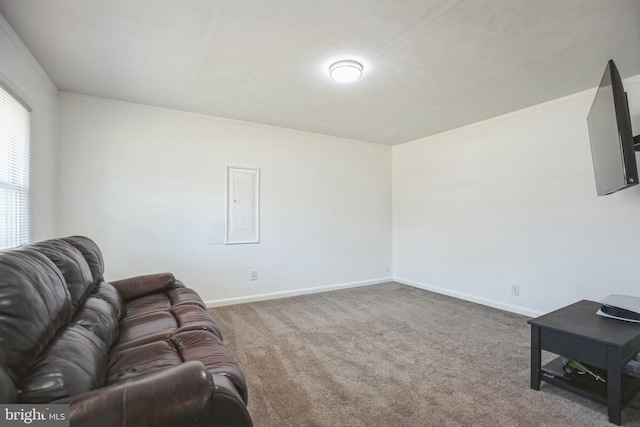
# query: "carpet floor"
{"type": "Point", "coordinates": [394, 355]}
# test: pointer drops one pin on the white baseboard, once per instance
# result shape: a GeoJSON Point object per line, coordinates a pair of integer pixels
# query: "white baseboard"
{"type": "Point", "coordinates": [468, 297]}
{"type": "Point", "coordinates": [295, 292]}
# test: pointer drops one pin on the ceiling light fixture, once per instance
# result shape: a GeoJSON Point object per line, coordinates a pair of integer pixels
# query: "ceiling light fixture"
{"type": "Point", "coordinates": [345, 71]}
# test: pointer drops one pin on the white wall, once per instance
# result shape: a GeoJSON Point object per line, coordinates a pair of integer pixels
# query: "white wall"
{"type": "Point", "coordinates": [20, 72]}
{"type": "Point", "coordinates": [512, 200]}
{"type": "Point", "coordinates": [507, 201]}
{"type": "Point", "coordinates": [144, 182]}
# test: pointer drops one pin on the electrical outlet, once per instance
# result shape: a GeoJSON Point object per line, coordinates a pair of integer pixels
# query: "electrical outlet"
{"type": "Point", "coordinates": [387, 269]}
{"type": "Point", "coordinates": [515, 290]}
{"type": "Point", "coordinates": [253, 275]}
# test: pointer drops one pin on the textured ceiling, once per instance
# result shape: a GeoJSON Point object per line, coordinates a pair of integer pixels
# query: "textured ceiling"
{"type": "Point", "coordinates": [430, 65]}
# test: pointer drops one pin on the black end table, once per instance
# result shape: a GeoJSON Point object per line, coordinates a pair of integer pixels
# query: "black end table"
{"type": "Point", "coordinates": [577, 332]}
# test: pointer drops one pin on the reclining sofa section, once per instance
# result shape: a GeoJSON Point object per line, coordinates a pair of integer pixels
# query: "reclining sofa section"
{"type": "Point", "coordinates": [136, 352]}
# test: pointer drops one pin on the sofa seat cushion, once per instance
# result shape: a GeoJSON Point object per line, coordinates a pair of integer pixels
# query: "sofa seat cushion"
{"type": "Point", "coordinates": [160, 325]}
{"type": "Point", "coordinates": [75, 362]}
{"type": "Point", "coordinates": [145, 359]}
{"type": "Point", "coordinates": [147, 304]}
{"type": "Point", "coordinates": [161, 301]}
{"type": "Point", "coordinates": [192, 318]}
{"type": "Point", "coordinates": [197, 345]}
{"type": "Point", "coordinates": [139, 330]}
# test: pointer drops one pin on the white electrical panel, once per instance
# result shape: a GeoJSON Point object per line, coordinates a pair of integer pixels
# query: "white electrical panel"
{"type": "Point", "coordinates": [243, 205]}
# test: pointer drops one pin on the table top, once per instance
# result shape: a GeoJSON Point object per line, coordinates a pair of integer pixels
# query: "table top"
{"type": "Point", "coordinates": [580, 319]}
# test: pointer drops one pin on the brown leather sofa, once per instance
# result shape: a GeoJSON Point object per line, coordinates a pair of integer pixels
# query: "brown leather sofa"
{"type": "Point", "coordinates": [137, 352]}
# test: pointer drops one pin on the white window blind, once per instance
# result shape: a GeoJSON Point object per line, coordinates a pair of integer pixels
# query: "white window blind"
{"type": "Point", "coordinates": [15, 130]}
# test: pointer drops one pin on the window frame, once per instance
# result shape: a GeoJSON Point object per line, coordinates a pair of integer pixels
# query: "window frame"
{"type": "Point", "coordinates": [15, 222]}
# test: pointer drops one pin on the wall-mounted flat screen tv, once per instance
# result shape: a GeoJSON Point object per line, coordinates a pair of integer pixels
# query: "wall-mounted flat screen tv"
{"type": "Point", "coordinates": [614, 160]}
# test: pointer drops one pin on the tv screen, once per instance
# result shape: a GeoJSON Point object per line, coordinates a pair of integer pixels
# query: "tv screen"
{"type": "Point", "coordinates": [614, 160]}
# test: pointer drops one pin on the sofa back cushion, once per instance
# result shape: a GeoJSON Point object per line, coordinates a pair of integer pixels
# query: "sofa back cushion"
{"type": "Point", "coordinates": [99, 317]}
{"type": "Point", "coordinates": [74, 363]}
{"type": "Point", "coordinates": [92, 255]}
{"type": "Point", "coordinates": [72, 265]}
{"type": "Point", "coordinates": [107, 292]}
{"type": "Point", "coordinates": [34, 304]}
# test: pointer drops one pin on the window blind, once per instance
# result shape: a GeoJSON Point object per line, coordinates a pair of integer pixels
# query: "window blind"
{"type": "Point", "coordinates": [15, 136]}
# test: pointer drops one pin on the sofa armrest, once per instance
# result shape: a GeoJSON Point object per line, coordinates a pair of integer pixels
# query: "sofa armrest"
{"type": "Point", "coordinates": [139, 286]}
{"type": "Point", "coordinates": [228, 408]}
{"type": "Point", "coordinates": [177, 396]}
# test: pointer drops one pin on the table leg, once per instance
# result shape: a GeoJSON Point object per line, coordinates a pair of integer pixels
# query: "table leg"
{"type": "Point", "coordinates": [614, 386]}
{"type": "Point", "coordinates": [536, 371]}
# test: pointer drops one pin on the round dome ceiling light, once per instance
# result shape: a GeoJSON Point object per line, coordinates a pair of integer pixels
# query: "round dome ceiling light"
{"type": "Point", "coordinates": [345, 71]}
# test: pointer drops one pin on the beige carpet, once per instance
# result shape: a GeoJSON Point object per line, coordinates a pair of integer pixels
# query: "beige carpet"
{"type": "Point", "coordinates": [393, 355]}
